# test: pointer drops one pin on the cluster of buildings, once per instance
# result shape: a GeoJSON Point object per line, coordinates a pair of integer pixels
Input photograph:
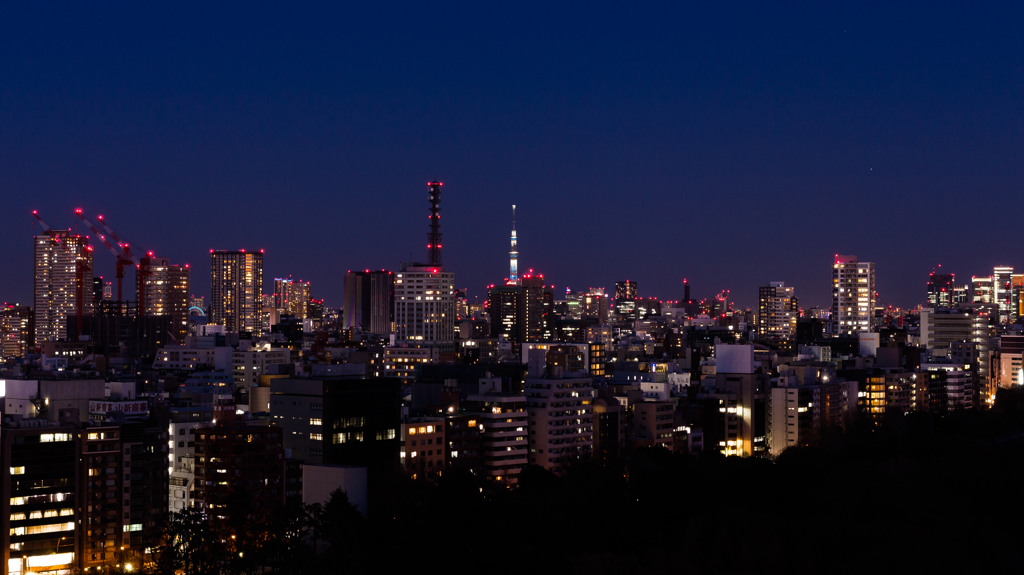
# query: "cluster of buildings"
{"type": "Point", "coordinates": [117, 412]}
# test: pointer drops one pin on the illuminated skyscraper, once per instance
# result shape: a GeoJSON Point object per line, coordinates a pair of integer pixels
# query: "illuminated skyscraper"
{"type": "Point", "coordinates": [292, 297]}
{"type": "Point", "coordinates": [940, 289]}
{"type": "Point", "coordinates": [853, 295]}
{"type": "Point", "coordinates": [60, 258]}
{"type": "Point", "coordinates": [1016, 303]}
{"type": "Point", "coordinates": [1002, 290]}
{"type": "Point", "coordinates": [166, 293]}
{"type": "Point", "coordinates": [236, 290]}
{"type": "Point", "coordinates": [982, 289]}
{"type": "Point", "coordinates": [15, 330]}
{"type": "Point", "coordinates": [777, 312]}
{"type": "Point", "coordinates": [595, 305]}
{"type": "Point", "coordinates": [522, 313]}
{"type": "Point", "coordinates": [425, 307]}
{"type": "Point", "coordinates": [625, 290]}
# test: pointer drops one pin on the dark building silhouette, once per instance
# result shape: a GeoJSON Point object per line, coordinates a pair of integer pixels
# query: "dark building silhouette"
{"type": "Point", "coordinates": [943, 291]}
{"type": "Point", "coordinates": [522, 313]}
{"type": "Point", "coordinates": [369, 301]}
{"type": "Point", "coordinates": [40, 479]}
{"type": "Point", "coordinates": [239, 456]}
{"type": "Point", "coordinates": [130, 335]}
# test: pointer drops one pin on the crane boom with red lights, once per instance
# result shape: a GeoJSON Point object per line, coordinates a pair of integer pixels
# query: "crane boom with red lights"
{"type": "Point", "coordinates": [96, 232]}
{"type": "Point", "coordinates": [46, 227]}
{"type": "Point", "coordinates": [125, 258]}
{"type": "Point", "coordinates": [122, 258]}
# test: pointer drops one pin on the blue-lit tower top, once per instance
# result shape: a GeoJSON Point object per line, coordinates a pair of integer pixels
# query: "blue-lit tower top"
{"type": "Point", "coordinates": [513, 254]}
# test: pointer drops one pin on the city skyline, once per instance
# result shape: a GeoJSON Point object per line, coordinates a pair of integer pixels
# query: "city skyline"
{"type": "Point", "coordinates": [639, 153]}
{"type": "Point", "coordinates": [333, 294]}
{"type": "Point", "coordinates": [686, 249]}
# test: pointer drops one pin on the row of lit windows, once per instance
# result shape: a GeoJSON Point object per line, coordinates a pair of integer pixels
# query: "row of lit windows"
{"type": "Point", "coordinates": [65, 512]}
{"type": "Point", "coordinates": [36, 529]}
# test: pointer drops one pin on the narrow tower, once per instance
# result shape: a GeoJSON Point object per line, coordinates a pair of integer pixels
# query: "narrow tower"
{"type": "Point", "coordinates": [513, 254]}
{"type": "Point", "coordinates": [434, 237]}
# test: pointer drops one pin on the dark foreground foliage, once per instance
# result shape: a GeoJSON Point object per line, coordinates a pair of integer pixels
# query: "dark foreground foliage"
{"type": "Point", "coordinates": [918, 493]}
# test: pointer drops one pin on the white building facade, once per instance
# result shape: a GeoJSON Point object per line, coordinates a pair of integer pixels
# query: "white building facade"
{"type": "Point", "coordinates": [425, 307]}
{"type": "Point", "coordinates": [853, 295]}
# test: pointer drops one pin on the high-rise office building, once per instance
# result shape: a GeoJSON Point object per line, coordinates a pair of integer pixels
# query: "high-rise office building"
{"type": "Point", "coordinates": [461, 304]}
{"type": "Point", "coordinates": [236, 290]}
{"type": "Point", "coordinates": [522, 313]}
{"type": "Point", "coordinates": [63, 273]}
{"type": "Point", "coordinates": [777, 312]}
{"type": "Point", "coordinates": [370, 301]}
{"type": "Point", "coordinates": [625, 290]}
{"type": "Point", "coordinates": [165, 292]}
{"type": "Point", "coordinates": [595, 305]}
{"type": "Point", "coordinates": [425, 307]}
{"type": "Point", "coordinates": [1002, 291]}
{"type": "Point", "coordinates": [97, 291]}
{"type": "Point", "coordinates": [425, 293]}
{"type": "Point", "coordinates": [560, 420]}
{"type": "Point", "coordinates": [503, 306]}
{"type": "Point", "coordinates": [853, 295]}
{"type": "Point", "coordinates": [292, 297]}
{"type": "Point", "coordinates": [1016, 287]}
{"type": "Point", "coordinates": [982, 289]}
{"type": "Point", "coordinates": [15, 330]}
{"type": "Point", "coordinates": [40, 498]}
{"type": "Point", "coordinates": [940, 289]}
{"type": "Point", "coordinates": [538, 312]}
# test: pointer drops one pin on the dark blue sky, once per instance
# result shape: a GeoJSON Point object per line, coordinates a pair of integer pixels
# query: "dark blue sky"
{"type": "Point", "coordinates": [732, 145]}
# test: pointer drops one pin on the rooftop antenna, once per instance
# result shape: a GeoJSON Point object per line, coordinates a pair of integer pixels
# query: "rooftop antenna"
{"type": "Point", "coordinates": [513, 254]}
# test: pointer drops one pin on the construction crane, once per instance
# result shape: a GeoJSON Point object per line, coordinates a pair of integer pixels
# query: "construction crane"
{"type": "Point", "coordinates": [126, 257]}
{"type": "Point", "coordinates": [122, 260]}
{"type": "Point", "coordinates": [46, 227]}
{"type": "Point", "coordinates": [82, 268]}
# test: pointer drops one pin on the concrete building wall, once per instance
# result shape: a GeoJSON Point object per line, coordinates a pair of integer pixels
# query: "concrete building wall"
{"type": "Point", "coordinates": [319, 481]}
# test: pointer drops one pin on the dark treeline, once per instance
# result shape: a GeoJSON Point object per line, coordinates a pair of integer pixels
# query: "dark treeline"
{"type": "Point", "coordinates": [917, 493]}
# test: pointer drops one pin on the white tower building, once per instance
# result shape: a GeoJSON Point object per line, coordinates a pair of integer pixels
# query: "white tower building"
{"type": "Point", "coordinates": [853, 295]}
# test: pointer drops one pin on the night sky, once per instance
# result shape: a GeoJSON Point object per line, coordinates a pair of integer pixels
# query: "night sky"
{"type": "Point", "coordinates": [733, 145]}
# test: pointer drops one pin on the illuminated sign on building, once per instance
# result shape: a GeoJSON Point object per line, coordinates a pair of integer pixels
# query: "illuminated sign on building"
{"type": "Point", "coordinates": [118, 406]}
